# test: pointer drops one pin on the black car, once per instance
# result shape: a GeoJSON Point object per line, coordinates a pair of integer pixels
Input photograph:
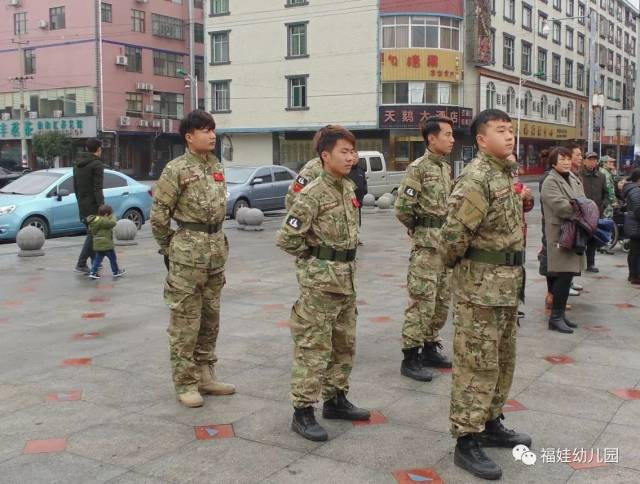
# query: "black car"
{"type": "Point", "coordinates": [7, 176]}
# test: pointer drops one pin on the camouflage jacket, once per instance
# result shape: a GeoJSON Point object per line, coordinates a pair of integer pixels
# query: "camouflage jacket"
{"type": "Point", "coordinates": [423, 193]}
{"type": "Point", "coordinates": [191, 189]}
{"type": "Point", "coordinates": [484, 213]}
{"type": "Point", "coordinates": [611, 200]}
{"type": "Point", "coordinates": [310, 171]}
{"type": "Point", "coordinates": [324, 213]}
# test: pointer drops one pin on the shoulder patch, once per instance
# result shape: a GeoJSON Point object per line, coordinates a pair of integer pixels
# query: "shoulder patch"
{"type": "Point", "coordinates": [410, 192]}
{"type": "Point", "coordinates": [293, 222]}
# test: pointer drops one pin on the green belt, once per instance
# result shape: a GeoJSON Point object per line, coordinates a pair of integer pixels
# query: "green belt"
{"type": "Point", "coordinates": [495, 257]}
{"type": "Point", "coordinates": [329, 253]}
{"type": "Point", "coordinates": [430, 222]}
{"type": "Point", "coordinates": [206, 228]}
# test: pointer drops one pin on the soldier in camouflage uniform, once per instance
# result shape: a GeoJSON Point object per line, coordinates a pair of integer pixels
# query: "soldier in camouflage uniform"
{"type": "Point", "coordinates": [421, 207]}
{"type": "Point", "coordinates": [192, 191]}
{"type": "Point", "coordinates": [321, 230]}
{"type": "Point", "coordinates": [482, 240]}
{"type": "Point", "coordinates": [310, 171]}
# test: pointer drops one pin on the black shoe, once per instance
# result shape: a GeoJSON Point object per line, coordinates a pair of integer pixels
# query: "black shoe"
{"type": "Point", "coordinates": [471, 457]}
{"type": "Point", "coordinates": [431, 356]}
{"type": "Point", "coordinates": [412, 366]}
{"type": "Point", "coordinates": [568, 322]}
{"type": "Point", "coordinates": [496, 435]}
{"type": "Point", "coordinates": [557, 323]}
{"type": "Point", "coordinates": [593, 269]}
{"type": "Point", "coordinates": [520, 315]}
{"type": "Point", "coordinates": [304, 422]}
{"type": "Point", "coordinates": [81, 269]}
{"type": "Point", "coordinates": [339, 408]}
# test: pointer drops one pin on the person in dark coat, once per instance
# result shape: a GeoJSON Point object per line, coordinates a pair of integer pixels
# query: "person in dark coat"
{"type": "Point", "coordinates": [359, 176]}
{"type": "Point", "coordinates": [595, 188]}
{"type": "Point", "coordinates": [631, 197]}
{"type": "Point", "coordinates": [88, 175]}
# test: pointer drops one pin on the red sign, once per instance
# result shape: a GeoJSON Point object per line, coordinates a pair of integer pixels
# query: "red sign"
{"type": "Point", "coordinates": [409, 117]}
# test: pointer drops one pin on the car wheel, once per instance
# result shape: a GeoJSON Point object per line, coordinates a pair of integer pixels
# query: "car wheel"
{"type": "Point", "coordinates": [37, 222]}
{"type": "Point", "coordinates": [242, 203]}
{"type": "Point", "coordinates": [135, 216]}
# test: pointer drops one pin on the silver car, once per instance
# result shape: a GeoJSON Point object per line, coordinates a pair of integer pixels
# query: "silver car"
{"type": "Point", "coordinates": [264, 187]}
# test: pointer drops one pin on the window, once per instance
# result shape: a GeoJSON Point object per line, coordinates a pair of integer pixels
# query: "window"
{"type": "Point", "coordinates": [568, 73]}
{"type": "Point", "coordinates": [582, 13]}
{"type": "Point", "coordinates": [511, 100]}
{"type": "Point", "coordinates": [199, 67]}
{"type": "Point", "coordinates": [113, 181]}
{"type": "Point", "coordinates": [542, 63]}
{"type": "Point", "coordinates": [67, 185]}
{"type": "Point", "coordinates": [56, 18]}
{"type": "Point", "coordinates": [137, 21]}
{"type": "Point", "coordinates": [618, 64]}
{"type": "Point", "coordinates": [580, 43]}
{"type": "Point", "coordinates": [557, 4]}
{"type": "Point", "coordinates": [526, 16]}
{"type": "Point", "coordinates": [557, 107]}
{"type": "Point", "coordinates": [420, 32]}
{"type": "Point", "coordinates": [293, 3]}
{"type": "Point", "coordinates": [419, 93]}
{"type": "Point", "coordinates": [220, 47]}
{"type": "Point", "coordinates": [610, 60]}
{"type": "Point", "coordinates": [569, 40]}
{"type": "Point", "coordinates": [167, 64]}
{"type": "Point", "coordinates": [134, 104]}
{"type": "Point", "coordinates": [297, 40]}
{"type": "Point", "coordinates": [570, 7]}
{"type": "Point", "coordinates": [106, 13]}
{"type": "Point", "coordinates": [570, 119]}
{"type": "Point", "coordinates": [528, 101]}
{"type": "Point", "coordinates": [29, 61]}
{"type": "Point", "coordinates": [449, 34]}
{"type": "Point", "coordinates": [611, 8]}
{"type": "Point", "coordinates": [555, 68]}
{"type": "Point", "coordinates": [297, 92]}
{"type": "Point", "coordinates": [556, 33]}
{"type": "Point", "coordinates": [198, 33]}
{"type": "Point", "coordinates": [134, 59]}
{"type": "Point", "coordinates": [526, 58]}
{"type": "Point", "coordinates": [619, 37]}
{"type": "Point", "coordinates": [493, 46]}
{"type": "Point", "coordinates": [580, 77]}
{"type": "Point", "coordinates": [507, 51]}
{"type": "Point", "coordinates": [265, 174]}
{"type": "Point", "coordinates": [20, 23]}
{"type": "Point", "coordinates": [542, 21]}
{"type": "Point", "coordinates": [282, 175]}
{"type": "Point", "coordinates": [601, 85]}
{"type": "Point", "coordinates": [610, 88]}
{"type": "Point", "coordinates": [168, 105]}
{"type": "Point", "coordinates": [220, 96]}
{"type": "Point", "coordinates": [219, 7]}
{"type": "Point", "coordinates": [198, 3]}
{"type": "Point", "coordinates": [376, 163]}
{"type": "Point", "coordinates": [618, 92]}
{"type": "Point", "coordinates": [510, 10]}
{"type": "Point", "coordinates": [490, 93]}
{"type": "Point", "coordinates": [167, 27]}
{"type": "Point", "coordinates": [544, 106]}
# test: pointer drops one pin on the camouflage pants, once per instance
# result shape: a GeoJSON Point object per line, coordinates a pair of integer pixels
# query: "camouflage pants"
{"type": "Point", "coordinates": [484, 355]}
{"type": "Point", "coordinates": [323, 328]}
{"type": "Point", "coordinates": [429, 297]}
{"type": "Point", "coordinates": [193, 296]}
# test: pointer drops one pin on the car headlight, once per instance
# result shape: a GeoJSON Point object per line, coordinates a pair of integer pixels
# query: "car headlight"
{"type": "Point", "coordinates": [6, 210]}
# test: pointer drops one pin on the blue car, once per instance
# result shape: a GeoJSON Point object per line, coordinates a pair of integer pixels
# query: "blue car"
{"type": "Point", "coordinates": [264, 187]}
{"type": "Point", "coordinates": [45, 199]}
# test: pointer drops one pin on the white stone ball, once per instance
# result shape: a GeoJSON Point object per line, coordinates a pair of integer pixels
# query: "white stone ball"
{"type": "Point", "coordinates": [125, 229]}
{"type": "Point", "coordinates": [369, 200]}
{"type": "Point", "coordinates": [254, 217]}
{"type": "Point", "coordinates": [30, 238]}
{"type": "Point", "coordinates": [241, 215]}
{"type": "Point", "coordinates": [384, 203]}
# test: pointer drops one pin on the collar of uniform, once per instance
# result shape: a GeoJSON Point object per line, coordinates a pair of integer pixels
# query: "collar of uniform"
{"type": "Point", "coordinates": [199, 158]}
{"type": "Point", "coordinates": [332, 180]}
{"type": "Point", "coordinates": [502, 165]}
{"type": "Point", "coordinates": [435, 157]}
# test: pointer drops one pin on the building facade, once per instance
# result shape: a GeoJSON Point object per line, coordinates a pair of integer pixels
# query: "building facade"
{"type": "Point", "coordinates": [107, 69]}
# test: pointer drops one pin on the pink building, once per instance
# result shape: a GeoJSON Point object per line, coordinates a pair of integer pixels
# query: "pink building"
{"type": "Point", "coordinates": [119, 79]}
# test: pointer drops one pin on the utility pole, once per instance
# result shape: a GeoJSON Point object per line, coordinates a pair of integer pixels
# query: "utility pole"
{"type": "Point", "coordinates": [20, 81]}
{"type": "Point", "coordinates": [592, 76]}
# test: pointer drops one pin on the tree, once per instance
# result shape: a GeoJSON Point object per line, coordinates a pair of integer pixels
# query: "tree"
{"type": "Point", "coordinates": [51, 144]}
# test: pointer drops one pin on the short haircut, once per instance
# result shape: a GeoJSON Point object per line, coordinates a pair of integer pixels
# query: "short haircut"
{"type": "Point", "coordinates": [326, 138]}
{"type": "Point", "coordinates": [557, 152]}
{"type": "Point", "coordinates": [93, 145]}
{"type": "Point", "coordinates": [634, 176]}
{"type": "Point", "coordinates": [573, 146]}
{"type": "Point", "coordinates": [197, 119]}
{"type": "Point", "coordinates": [105, 210]}
{"type": "Point", "coordinates": [485, 117]}
{"type": "Point", "coordinates": [431, 125]}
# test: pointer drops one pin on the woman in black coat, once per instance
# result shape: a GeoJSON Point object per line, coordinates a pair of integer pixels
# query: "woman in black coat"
{"type": "Point", "coordinates": [631, 197]}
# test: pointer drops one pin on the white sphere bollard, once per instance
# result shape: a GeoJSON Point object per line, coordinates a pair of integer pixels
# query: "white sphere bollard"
{"type": "Point", "coordinates": [384, 203]}
{"type": "Point", "coordinates": [253, 220]}
{"type": "Point", "coordinates": [30, 241]}
{"type": "Point", "coordinates": [125, 232]}
{"type": "Point", "coordinates": [369, 200]}
{"type": "Point", "coordinates": [242, 213]}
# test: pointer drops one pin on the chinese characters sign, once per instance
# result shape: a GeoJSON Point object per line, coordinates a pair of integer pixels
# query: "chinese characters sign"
{"type": "Point", "coordinates": [79, 127]}
{"type": "Point", "coordinates": [409, 117]}
{"type": "Point", "coordinates": [479, 42]}
{"type": "Point", "coordinates": [421, 65]}
{"type": "Point", "coordinates": [532, 130]}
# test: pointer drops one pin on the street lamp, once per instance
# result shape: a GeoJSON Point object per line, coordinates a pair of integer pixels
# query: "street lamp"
{"type": "Point", "coordinates": [193, 80]}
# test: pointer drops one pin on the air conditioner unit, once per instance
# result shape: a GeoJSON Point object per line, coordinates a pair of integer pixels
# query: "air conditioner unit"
{"type": "Point", "coordinates": [142, 1]}
{"type": "Point", "coordinates": [6, 116]}
{"type": "Point", "coordinates": [143, 123]}
{"type": "Point", "coordinates": [140, 86]}
{"type": "Point", "coordinates": [43, 24]}
{"type": "Point", "coordinates": [121, 60]}
{"type": "Point", "coordinates": [124, 121]}
{"type": "Point", "coordinates": [148, 108]}
{"type": "Point", "coordinates": [14, 3]}
{"type": "Point", "coordinates": [156, 123]}
{"type": "Point", "coordinates": [33, 114]}
{"type": "Point", "coordinates": [167, 125]}
{"type": "Point", "coordinates": [57, 114]}
{"type": "Point", "coordinates": [149, 87]}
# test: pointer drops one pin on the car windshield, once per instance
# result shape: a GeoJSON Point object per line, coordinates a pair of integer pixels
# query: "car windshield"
{"type": "Point", "coordinates": [31, 183]}
{"type": "Point", "coordinates": [238, 175]}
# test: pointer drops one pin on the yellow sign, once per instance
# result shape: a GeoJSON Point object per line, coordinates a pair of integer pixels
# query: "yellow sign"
{"type": "Point", "coordinates": [421, 65]}
{"type": "Point", "coordinates": [533, 130]}
{"type": "Point", "coordinates": [613, 140]}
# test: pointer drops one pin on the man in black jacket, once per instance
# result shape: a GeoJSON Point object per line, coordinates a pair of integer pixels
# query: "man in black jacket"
{"type": "Point", "coordinates": [88, 174]}
{"type": "Point", "coordinates": [631, 196]}
{"type": "Point", "coordinates": [595, 188]}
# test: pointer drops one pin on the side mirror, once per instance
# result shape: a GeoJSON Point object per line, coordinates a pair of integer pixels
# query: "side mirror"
{"type": "Point", "coordinates": [257, 181]}
{"type": "Point", "coordinates": [62, 193]}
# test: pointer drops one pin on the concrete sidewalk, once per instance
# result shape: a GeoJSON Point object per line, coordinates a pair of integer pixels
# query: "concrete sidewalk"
{"type": "Point", "coordinates": [86, 393]}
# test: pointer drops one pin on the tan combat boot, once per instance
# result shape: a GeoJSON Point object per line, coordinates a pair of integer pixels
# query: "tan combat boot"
{"type": "Point", "coordinates": [209, 385]}
{"type": "Point", "coordinates": [191, 399]}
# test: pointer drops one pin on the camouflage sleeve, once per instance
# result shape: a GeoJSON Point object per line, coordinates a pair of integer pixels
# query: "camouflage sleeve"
{"type": "Point", "coordinates": [164, 203]}
{"type": "Point", "coordinates": [467, 208]}
{"type": "Point", "coordinates": [292, 235]}
{"type": "Point", "coordinates": [408, 197]}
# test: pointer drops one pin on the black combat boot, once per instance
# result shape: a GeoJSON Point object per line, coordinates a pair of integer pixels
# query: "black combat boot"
{"type": "Point", "coordinates": [304, 422]}
{"type": "Point", "coordinates": [339, 408]}
{"type": "Point", "coordinates": [412, 366]}
{"type": "Point", "coordinates": [557, 322]}
{"type": "Point", "coordinates": [431, 355]}
{"type": "Point", "coordinates": [471, 457]}
{"type": "Point", "coordinates": [496, 435]}
{"type": "Point", "coordinates": [568, 322]}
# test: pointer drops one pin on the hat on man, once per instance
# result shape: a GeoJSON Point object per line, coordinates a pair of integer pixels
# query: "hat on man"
{"type": "Point", "coordinates": [591, 154]}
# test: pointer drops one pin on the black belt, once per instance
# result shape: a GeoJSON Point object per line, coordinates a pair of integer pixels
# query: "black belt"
{"type": "Point", "coordinates": [329, 253]}
{"type": "Point", "coordinates": [500, 258]}
{"type": "Point", "coordinates": [430, 222]}
{"type": "Point", "coordinates": [206, 228]}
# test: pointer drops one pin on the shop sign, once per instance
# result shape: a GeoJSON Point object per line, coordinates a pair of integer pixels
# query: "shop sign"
{"type": "Point", "coordinates": [75, 127]}
{"type": "Point", "coordinates": [409, 117]}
